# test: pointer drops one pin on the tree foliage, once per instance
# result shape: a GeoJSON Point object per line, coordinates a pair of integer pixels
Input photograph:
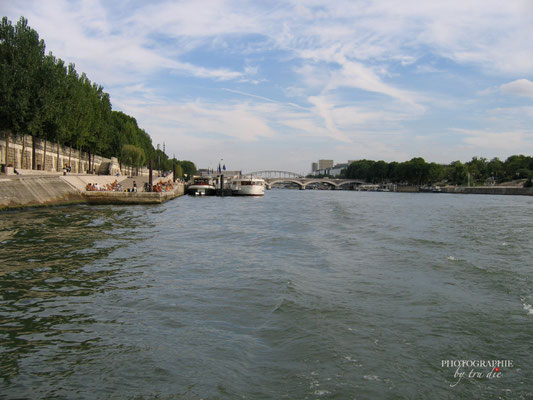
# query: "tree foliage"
{"type": "Point", "coordinates": [418, 172]}
{"type": "Point", "coordinates": [42, 96]}
{"type": "Point", "coordinates": [132, 155]}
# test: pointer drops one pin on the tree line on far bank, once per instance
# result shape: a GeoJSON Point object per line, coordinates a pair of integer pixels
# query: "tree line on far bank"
{"type": "Point", "coordinates": [417, 171]}
{"type": "Point", "coordinates": [42, 96]}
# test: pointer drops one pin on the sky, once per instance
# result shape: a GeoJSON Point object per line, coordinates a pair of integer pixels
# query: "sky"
{"type": "Point", "coordinates": [277, 85]}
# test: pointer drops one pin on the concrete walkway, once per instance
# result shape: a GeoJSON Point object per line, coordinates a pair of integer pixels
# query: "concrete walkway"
{"type": "Point", "coordinates": [80, 181]}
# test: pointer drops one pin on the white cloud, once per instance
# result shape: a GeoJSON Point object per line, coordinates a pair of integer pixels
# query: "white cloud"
{"type": "Point", "coordinates": [509, 142]}
{"type": "Point", "coordinates": [520, 87]}
{"type": "Point", "coordinates": [332, 57]}
{"type": "Point", "coordinates": [354, 74]}
{"type": "Point", "coordinates": [324, 108]}
{"type": "Point", "coordinates": [111, 51]}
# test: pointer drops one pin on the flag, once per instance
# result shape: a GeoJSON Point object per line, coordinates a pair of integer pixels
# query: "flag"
{"type": "Point", "coordinates": [224, 167]}
{"type": "Point", "coordinates": [219, 170]}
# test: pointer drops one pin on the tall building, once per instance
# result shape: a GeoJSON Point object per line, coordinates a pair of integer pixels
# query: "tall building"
{"type": "Point", "coordinates": [325, 164]}
{"type": "Point", "coordinates": [314, 167]}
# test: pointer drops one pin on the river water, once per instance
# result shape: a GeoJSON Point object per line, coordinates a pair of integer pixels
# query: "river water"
{"type": "Point", "coordinates": [297, 295]}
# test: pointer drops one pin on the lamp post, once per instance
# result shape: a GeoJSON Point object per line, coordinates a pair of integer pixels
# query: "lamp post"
{"type": "Point", "coordinates": [221, 176]}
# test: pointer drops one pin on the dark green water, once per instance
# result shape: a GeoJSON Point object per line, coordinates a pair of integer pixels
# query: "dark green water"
{"type": "Point", "coordinates": [297, 295]}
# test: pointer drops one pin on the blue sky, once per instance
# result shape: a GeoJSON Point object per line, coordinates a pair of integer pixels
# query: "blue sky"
{"type": "Point", "coordinates": [279, 85]}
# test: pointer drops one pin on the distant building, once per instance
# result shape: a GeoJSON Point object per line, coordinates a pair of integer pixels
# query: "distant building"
{"type": "Point", "coordinates": [337, 169]}
{"type": "Point", "coordinates": [326, 167]}
{"type": "Point", "coordinates": [325, 164]}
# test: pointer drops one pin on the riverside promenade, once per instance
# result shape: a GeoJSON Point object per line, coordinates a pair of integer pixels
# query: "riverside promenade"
{"type": "Point", "coordinates": [49, 189]}
{"type": "Point", "coordinates": [499, 190]}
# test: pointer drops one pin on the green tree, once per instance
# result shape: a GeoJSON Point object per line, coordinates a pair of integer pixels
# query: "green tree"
{"type": "Point", "coordinates": [478, 168]}
{"type": "Point", "coordinates": [41, 96]}
{"type": "Point", "coordinates": [188, 168]}
{"type": "Point", "coordinates": [514, 164]}
{"type": "Point", "coordinates": [378, 172]}
{"type": "Point", "coordinates": [436, 173]}
{"type": "Point", "coordinates": [458, 173]}
{"type": "Point", "coordinates": [179, 171]}
{"type": "Point", "coordinates": [132, 156]}
{"type": "Point", "coordinates": [359, 169]}
{"type": "Point", "coordinates": [21, 54]}
{"type": "Point", "coordinates": [496, 170]}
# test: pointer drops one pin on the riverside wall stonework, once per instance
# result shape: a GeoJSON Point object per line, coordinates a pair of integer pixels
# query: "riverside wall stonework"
{"type": "Point", "coordinates": [48, 190]}
{"type": "Point", "coordinates": [19, 156]}
{"type": "Point", "coordinates": [134, 197]}
{"type": "Point", "coordinates": [407, 189]}
{"type": "Point", "coordinates": [506, 190]}
{"type": "Point", "coordinates": [33, 191]}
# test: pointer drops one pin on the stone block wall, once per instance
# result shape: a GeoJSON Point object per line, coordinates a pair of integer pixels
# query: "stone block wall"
{"type": "Point", "coordinates": [19, 155]}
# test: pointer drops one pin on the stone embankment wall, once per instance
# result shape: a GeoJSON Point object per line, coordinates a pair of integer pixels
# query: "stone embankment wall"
{"type": "Point", "coordinates": [37, 191]}
{"type": "Point", "coordinates": [406, 189]}
{"type": "Point", "coordinates": [135, 197]}
{"type": "Point", "coordinates": [19, 155]}
{"type": "Point", "coordinates": [508, 190]}
{"type": "Point", "coordinates": [56, 189]}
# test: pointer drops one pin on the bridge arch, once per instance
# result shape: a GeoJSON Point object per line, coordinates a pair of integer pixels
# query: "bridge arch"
{"type": "Point", "coordinates": [272, 181]}
{"type": "Point", "coordinates": [304, 182]}
{"type": "Point", "coordinates": [331, 183]}
{"type": "Point", "coordinates": [350, 182]}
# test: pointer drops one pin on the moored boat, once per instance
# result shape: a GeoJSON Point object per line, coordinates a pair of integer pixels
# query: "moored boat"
{"type": "Point", "coordinates": [201, 186]}
{"type": "Point", "coordinates": [247, 186]}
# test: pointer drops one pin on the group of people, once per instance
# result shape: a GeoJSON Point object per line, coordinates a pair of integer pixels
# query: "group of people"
{"type": "Point", "coordinates": [162, 186]}
{"type": "Point", "coordinates": [133, 188]}
{"type": "Point", "coordinates": [159, 187]}
{"type": "Point", "coordinates": [94, 187]}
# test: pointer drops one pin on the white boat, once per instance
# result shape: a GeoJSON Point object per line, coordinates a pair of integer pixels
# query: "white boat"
{"type": "Point", "coordinates": [247, 186]}
{"type": "Point", "coordinates": [201, 186]}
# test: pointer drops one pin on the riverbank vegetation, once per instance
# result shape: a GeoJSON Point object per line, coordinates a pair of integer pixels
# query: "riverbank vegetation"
{"type": "Point", "coordinates": [42, 96]}
{"type": "Point", "coordinates": [417, 171]}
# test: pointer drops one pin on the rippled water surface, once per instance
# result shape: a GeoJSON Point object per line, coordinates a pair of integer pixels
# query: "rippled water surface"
{"type": "Point", "coordinates": [297, 295]}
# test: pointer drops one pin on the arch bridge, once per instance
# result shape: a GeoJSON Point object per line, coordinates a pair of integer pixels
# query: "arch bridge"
{"type": "Point", "coordinates": [274, 174]}
{"type": "Point", "coordinates": [303, 183]}
{"type": "Point", "coordinates": [272, 177]}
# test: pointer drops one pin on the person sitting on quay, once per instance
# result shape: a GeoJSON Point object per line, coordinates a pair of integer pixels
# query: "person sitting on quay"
{"type": "Point", "coordinates": [167, 185]}
{"type": "Point", "coordinates": [134, 189]}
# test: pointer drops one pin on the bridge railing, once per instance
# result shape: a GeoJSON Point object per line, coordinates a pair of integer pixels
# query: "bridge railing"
{"type": "Point", "coordinates": [275, 174]}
